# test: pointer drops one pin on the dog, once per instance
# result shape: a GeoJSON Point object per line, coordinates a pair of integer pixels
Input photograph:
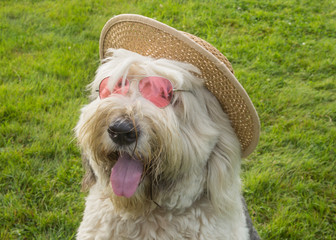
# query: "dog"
{"type": "Point", "coordinates": [162, 159]}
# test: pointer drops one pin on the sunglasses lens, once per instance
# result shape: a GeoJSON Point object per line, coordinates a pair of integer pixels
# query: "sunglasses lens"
{"type": "Point", "coordinates": [104, 92]}
{"type": "Point", "coordinates": [121, 87]}
{"type": "Point", "coordinates": [158, 90]}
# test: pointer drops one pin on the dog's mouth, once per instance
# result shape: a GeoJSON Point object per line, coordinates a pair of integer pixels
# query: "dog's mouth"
{"type": "Point", "coordinates": [126, 175]}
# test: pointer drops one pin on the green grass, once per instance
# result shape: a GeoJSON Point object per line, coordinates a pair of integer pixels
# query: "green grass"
{"type": "Point", "coordinates": [283, 52]}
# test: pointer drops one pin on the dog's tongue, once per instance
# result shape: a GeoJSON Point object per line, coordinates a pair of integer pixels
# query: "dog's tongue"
{"type": "Point", "coordinates": [126, 175]}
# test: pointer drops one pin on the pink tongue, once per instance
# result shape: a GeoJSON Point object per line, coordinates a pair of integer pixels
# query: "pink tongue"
{"type": "Point", "coordinates": [126, 175]}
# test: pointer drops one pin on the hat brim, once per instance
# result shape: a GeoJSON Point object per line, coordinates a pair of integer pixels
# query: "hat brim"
{"type": "Point", "coordinates": [149, 37]}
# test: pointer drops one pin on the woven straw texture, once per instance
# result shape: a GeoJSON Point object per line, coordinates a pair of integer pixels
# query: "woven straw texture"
{"type": "Point", "coordinates": [159, 42]}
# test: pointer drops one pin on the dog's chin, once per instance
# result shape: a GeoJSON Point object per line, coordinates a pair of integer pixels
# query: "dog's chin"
{"type": "Point", "coordinates": [139, 204]}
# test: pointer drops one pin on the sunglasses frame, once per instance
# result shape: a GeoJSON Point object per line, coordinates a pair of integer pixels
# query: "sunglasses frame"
{"type": "Point", "coordinates": [138, 80]}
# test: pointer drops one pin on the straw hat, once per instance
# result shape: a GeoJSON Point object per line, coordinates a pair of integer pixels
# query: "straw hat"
{"type": "Point", "coordinates": [149, 37]}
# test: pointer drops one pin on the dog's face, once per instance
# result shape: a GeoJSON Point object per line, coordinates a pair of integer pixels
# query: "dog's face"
{"type": "Point", "coordinates": [153, 135]}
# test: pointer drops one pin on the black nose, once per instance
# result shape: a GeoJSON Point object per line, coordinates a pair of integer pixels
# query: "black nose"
{"type": "Point", "coordinates": [123, 132]}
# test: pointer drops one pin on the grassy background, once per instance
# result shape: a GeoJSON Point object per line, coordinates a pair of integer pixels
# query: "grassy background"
{"type": "Point", "coordinates": [283, 52]}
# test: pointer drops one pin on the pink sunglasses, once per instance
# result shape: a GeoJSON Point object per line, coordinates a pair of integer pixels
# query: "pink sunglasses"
{"type": "Point", "coordinates": [158, 90]}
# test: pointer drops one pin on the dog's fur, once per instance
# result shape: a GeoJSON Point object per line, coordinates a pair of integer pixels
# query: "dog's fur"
{"type": "Point", "coordinates": [190, 187]}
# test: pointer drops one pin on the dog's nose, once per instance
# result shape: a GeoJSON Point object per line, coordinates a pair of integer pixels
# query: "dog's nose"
{"type": "Point", "coordinates": [123, 132]}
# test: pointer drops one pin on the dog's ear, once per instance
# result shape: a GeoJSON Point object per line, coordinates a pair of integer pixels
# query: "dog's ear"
{"type": "Point", "coordinates": [223, 181]}
{"type": "Point", "coordinates": [89, 178]}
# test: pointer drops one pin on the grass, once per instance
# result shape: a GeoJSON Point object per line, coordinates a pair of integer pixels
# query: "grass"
{"type": "Point", "coordinates": [283, 53]}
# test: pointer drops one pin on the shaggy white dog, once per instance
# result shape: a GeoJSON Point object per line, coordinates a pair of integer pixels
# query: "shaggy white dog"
{"type": "Point", "coordinates": [154, 172]}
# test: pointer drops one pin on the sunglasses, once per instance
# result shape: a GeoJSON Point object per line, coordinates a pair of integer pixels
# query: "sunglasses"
{"type": "Point", "coordinates": [157, 90]}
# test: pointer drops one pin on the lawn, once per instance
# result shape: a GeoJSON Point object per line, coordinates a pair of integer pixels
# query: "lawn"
{"type": "Point", "coordinates": [283, 52]}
